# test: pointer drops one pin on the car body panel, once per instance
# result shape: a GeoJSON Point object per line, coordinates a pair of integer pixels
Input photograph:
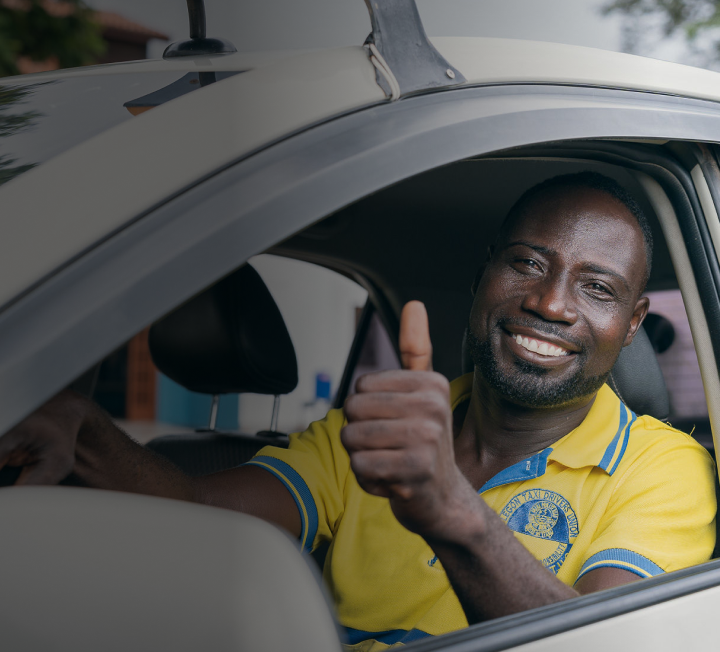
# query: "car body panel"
{"type": "Point", "coordinates": [229, 62]}
{"type": "Point", "coordinates": [506, 61]}
{"type": "Point", "coordinates": [102, 184]}
{"type": "Point", "coordinates": [645, 629]}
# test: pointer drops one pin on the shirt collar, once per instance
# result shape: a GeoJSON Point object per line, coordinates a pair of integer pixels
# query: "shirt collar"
{"type": "Point", "coordinates": [600, 440]}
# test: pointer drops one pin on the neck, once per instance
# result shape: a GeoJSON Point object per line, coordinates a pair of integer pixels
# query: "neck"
{"type": "Point", "coordinates": [496, 433]}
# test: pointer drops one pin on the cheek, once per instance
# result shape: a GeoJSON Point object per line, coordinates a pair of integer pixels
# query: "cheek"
{"type": "Point", "coordinates": [608, 329]}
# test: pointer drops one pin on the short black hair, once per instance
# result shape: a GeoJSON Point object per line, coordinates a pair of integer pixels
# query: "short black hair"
{"type": "Point", "coordinates": [594, 181]}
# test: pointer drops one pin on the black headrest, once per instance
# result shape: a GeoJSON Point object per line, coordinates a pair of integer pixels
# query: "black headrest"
{"type": "Point", "coordinates": [636, 377]}
{"type": "Point", "coordinates": [227, 340]}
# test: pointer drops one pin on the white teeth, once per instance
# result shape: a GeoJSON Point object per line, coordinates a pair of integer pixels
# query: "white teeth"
{"type": "Point", "coordinates": [543, 348]}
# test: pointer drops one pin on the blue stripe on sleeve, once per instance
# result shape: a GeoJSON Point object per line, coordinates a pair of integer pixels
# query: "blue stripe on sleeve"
{"type": "Point", "coordinates": [390, 637]}
{"type": "Point", "coordinates": [283, 471]}
{"type": "Point", "coordinates": [621, 558]}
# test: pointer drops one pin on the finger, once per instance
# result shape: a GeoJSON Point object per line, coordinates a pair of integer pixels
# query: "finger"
{"type": "Point", "coordinates": [396, 405]}
{"type": "Point", "coordinates": [401, 380]}
{"type": "Point", "coordinates": [415, 345]}
{"type": "Point", "coordinates": [8, 446]}
{"type": "Point", "coordinates": [378, 435]}
{"type": "Point", "coordinates": [46, 471]}
{"type": "Point", "coordinates": [391, 467]}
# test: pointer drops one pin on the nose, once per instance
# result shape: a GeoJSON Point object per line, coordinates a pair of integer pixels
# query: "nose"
{"type": "Point", "coordinates": [551, 298]}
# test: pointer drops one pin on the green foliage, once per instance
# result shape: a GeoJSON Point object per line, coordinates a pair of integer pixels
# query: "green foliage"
{"type": "Point", "coordinates": [33, 32]}
{"type": "Point", "coordinates": [691, 18]}
{"type": "Point", "coordinates": [12, 122]}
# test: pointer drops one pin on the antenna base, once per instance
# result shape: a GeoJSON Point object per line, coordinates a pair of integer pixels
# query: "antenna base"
{"type": "Point", "coordinates": [197, 47]}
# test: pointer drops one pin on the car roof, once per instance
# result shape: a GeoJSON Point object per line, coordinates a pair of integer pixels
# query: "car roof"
{"type": "Point", "coordinates": [509, 61]}
{"type": "Point", "coordinates": [482, 60]}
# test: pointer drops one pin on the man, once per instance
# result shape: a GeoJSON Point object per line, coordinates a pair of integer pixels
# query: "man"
{"type": "Point", "coordinates": [523, 484]}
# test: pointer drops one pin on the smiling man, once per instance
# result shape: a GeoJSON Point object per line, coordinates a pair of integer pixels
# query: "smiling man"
{"type": "Point", "coordinates": [525, 483]}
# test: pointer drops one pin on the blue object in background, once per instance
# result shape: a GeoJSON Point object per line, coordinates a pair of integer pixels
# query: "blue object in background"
{"type": "Point", "coordinates": [322, 387]}
{"type": "Point", "coordinates": [181, 407]}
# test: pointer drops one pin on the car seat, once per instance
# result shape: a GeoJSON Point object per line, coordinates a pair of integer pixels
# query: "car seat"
{"type": "Point", "coordinates": [230, 339]}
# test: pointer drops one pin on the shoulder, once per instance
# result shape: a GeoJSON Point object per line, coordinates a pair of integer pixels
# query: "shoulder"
{"type": "Point", "coordinates": [655, 443]}
{"type": "Point", "coordinates": [322, 436]}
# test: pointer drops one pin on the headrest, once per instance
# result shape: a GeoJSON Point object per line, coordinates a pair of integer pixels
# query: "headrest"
{"type": "Point", "coordinates": [638, 381]}
{"type": "Point", "coordinates": [636, 377]}
{"type": "Point", "coordinates": [229, 339]}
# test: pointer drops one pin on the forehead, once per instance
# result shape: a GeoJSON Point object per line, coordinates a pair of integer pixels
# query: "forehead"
{"type": "Point", "coordinates": [583, 225]}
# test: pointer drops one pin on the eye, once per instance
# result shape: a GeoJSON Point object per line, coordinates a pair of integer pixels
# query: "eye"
{"type": "Point", "coordinates": [600, 290]}
{"type": "Point", "coordinates": [526, 265]}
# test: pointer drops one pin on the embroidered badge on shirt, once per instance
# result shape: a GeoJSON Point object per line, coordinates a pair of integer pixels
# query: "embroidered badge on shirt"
{"type": "Point", "coordinates": [546, 516]}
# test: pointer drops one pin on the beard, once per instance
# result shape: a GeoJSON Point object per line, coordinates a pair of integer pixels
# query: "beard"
{"type": "Point", "coordinates": [528, 384]}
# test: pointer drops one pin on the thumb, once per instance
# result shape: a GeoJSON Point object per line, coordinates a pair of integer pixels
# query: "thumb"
{"type": "Point", "coordinates": [415, 346]}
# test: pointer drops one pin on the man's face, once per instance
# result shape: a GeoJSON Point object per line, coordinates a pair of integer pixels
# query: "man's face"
{"type": "Point", "coordinates": [559, 298]}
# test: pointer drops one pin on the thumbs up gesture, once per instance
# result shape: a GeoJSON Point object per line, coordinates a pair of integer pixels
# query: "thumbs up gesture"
{"type": "Point", "coordinates": [399, 434]}
{"type": "Point", "coordinates": [415, 346]}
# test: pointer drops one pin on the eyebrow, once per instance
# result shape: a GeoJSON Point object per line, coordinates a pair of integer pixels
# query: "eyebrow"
{"type": "Point", "coordinates": [538, 248]}
{"type": "Point", "coordinates": [590, 267]}
{"type": "Point", "coordinates": [596, 269]}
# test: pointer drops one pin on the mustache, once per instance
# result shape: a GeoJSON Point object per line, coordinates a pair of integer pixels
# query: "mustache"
{"type": "Point", "coordinates": [541, 327]}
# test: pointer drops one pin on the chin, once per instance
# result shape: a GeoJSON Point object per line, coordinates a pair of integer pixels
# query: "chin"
{"type": "Point", "coordinates": [530, 385]}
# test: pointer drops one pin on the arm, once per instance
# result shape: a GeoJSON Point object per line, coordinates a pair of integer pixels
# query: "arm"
{"type": "Point", "coordinates": [400, 440]}
{"type": "Point", "coordinates": [72, 435]}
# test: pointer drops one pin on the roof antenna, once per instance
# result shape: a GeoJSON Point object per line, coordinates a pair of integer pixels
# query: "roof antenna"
{"type": "Point", "coordinates": [198, 44]}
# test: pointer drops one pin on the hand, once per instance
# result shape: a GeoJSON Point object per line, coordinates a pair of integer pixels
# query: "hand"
{"type": "Point", "coordinates": [44, 443]}
{"type": "Point", "coordinates": [400, 438]}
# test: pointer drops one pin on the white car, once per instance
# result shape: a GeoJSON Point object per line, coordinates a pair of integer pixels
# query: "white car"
{"type": "Point", "coordinates": [391, 165]}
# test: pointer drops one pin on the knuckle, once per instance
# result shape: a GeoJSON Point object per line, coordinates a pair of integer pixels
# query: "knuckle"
{"type": "Point", "coordinates": [360, 466]}
{"type": "Point", "coordinates": [350, 407]}
{"type": "Point", "coordinates": [366, 382]}
{"type": "Point", "coordinates": [440, 382]}
{"type": "Point", "coordinates": [348, 436]}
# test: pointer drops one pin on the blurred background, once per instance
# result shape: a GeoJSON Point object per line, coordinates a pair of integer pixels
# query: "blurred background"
{"type": "Point", "coordinates": [39, 34]}
{"type": "Point", "coordinates": [45, 35]}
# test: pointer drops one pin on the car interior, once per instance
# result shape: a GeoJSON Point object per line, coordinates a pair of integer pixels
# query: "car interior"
{"type": "Point", "coordinates": [420, 239]}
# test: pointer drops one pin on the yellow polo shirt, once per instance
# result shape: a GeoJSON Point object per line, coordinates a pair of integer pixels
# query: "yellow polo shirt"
{"type": "Point", "coordinates": [620, 490]}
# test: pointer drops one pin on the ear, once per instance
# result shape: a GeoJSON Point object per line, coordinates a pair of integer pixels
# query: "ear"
{"type": "Point", "coordinates": [481, 270]}
{"type": "Point", "coordinates": [639, 314]}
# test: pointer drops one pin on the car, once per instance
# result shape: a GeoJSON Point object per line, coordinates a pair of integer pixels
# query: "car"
{"type": "Point", "coordinates": [135, 193]}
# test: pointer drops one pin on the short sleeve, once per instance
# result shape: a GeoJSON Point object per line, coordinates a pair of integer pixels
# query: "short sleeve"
{"type": "Point", "coordinates": [662, 514]}
{"type": "Point", "coordinates": [314, 469]}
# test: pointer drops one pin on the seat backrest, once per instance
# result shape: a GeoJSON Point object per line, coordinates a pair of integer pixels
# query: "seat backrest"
{"type": "Point", "coordinates": [229, 339]}
{"type": "Point", "coordinates": [636, 377]}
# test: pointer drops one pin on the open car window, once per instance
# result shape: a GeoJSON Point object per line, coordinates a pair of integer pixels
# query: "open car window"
{"type": "Point", "coordinates": [321, 310]}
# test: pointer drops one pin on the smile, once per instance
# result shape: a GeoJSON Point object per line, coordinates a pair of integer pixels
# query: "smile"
{"type": "Point", "coordinates": [540, 347]}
